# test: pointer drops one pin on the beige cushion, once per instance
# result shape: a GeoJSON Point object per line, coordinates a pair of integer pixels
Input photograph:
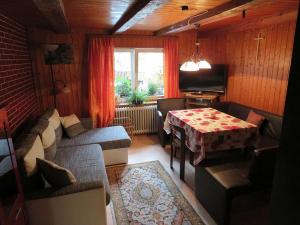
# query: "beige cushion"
{"type": "Point", "coordinates": [54, 119]}
{"type": "Point", "coordinates": [36, 151]}
{"type": "Point", "coordinates": [72, 125]}
{"type": "Point", "coordinates": [47, 134]}
{"type": "Point", "coordinates": [56, 175]}
{"type": "Point", "coordinates": [70, 120]}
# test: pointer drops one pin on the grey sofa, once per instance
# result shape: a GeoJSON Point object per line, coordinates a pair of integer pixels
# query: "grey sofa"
{"type": "Point", "coordinates": [83, 202]}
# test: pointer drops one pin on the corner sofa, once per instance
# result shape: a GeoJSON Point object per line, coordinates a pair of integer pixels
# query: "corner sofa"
{"type": "Point", "coordinates": [86, 155]}
{"type": "Point", "coordinates": [219, 180]}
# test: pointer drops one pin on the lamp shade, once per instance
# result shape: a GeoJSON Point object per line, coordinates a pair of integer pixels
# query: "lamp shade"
{"type": "Point", "coordinates": [189, 66]}
{"type": "Point", "coordinates": [66, 90]}
{"type": "Point", "coordinates": [203, 64]}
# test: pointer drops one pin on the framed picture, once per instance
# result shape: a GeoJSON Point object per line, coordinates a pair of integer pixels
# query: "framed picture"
{"type": "Point", "coordinates": [58, 54]}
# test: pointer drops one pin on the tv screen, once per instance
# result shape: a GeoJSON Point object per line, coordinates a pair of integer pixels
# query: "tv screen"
{"type": "Point", "coordinates": [213, 79]}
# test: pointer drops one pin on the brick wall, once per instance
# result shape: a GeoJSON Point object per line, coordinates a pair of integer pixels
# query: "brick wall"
{"type": "Point", "coordinates": [16, 79]}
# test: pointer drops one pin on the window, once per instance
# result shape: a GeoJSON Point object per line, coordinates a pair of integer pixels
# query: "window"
{"type": "Point", "coordinates": [139, 69]}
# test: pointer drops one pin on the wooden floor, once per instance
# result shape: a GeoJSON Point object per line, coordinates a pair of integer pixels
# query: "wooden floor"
{"type": "Point", "coordinates": [147, 148]}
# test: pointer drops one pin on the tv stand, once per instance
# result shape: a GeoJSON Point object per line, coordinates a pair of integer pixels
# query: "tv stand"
{"type": "Point", "coordinates": [196, 100]}
{"type": "Point", "coordinates": [197, 93]}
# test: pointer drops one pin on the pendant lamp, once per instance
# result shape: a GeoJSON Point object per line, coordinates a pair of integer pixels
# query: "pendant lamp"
{"type": "Point", "coordinates": [196, 62]}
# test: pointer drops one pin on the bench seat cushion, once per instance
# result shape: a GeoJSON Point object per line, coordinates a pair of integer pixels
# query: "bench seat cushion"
{"type": "Point", "coordinates": [231, 175]}
{"type": "Point", "coordinates": [87, 164]}
{"type": "Point", "coordinates": [108, 137]}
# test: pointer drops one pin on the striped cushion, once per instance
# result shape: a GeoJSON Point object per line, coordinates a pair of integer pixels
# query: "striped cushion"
{"type": "Point", "coordinates": [52, 116]}
{"type": "Point", "coordinates": [47, 134]}
{"type": "Point", "coordinates": [72, 125]}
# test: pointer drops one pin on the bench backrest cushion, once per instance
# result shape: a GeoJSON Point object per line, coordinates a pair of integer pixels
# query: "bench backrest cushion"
{"type": "Point", "coordinates": [271, 126]}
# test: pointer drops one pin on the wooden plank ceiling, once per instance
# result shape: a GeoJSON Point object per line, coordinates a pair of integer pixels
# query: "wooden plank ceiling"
{"type": "Point", "coordinates": [103, 15]}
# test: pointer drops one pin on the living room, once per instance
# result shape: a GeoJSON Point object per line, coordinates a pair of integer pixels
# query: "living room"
{"type": "Point", "coordinates": [149, 112]}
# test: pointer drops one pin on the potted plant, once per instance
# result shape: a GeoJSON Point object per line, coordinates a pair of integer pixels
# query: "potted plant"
{"type": "Point", "coordinates": [123, 87]}
{"type": "Point", "coordinates": [152, 89]}
{"type": "Point", "coordinates": [137, 97]}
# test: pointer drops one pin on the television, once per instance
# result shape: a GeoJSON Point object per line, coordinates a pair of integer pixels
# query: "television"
{"type": "Point", "coordinates": [210, 80]}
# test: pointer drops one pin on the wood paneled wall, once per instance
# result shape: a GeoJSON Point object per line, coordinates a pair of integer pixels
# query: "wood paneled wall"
{"type": "Point", "coordinates": [261, 82]}
{"type": "Point", "coordinates": [76, 74]}
{"type": "Point", "coordinates": [73, 74]}
{"type": "Point", "coordinates": [258, 83]}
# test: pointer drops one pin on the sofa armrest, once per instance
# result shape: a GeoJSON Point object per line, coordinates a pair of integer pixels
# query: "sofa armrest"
{"type": "Point", "coordinates": [262, 165]}
{"type": "Point", "coordinates": [87, 123]}
{"type": "Point", "coordinates": [69, 189]}
{"type": "Point", "coordinates": [86, 207]}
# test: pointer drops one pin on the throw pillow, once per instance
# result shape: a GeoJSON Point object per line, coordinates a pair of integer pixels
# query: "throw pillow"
{"type": "Point", "coordinates": [72, 125]}
{"type": "Point", "coordinates": [54, 174]}
{"type": "Point", "coordinates": [255, 118]}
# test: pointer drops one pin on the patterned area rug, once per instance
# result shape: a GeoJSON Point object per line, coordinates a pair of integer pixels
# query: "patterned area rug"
{"type": "Point", "coordinates": [144, 194]}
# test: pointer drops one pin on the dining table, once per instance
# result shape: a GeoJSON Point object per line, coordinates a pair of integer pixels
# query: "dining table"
{"type": "Point", "coordinates": [209, 130]}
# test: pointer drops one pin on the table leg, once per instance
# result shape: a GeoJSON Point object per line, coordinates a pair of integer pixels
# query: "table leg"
{"type": "Point", "coordinates": [182, 161]}
{"type": "Point", "coordinates": [191, 158]}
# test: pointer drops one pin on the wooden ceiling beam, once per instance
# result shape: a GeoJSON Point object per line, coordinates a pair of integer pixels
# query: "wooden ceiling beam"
{"type": "Point", "coordinates": [188, 23]}
{"type": "Point", "coordinates": [139, 10]}
{"type": "Point", "coordinates": [54, 12]}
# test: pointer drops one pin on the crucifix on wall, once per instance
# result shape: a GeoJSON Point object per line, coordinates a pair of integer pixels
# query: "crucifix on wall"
{"type": "Point", "coordinates": [258, 39]}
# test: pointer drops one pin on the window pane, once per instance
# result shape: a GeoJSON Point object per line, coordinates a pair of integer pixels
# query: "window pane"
{"type": "Point", "coordinates": [150, 72]}
{"type": "Point", "coordinates": [123, 72]}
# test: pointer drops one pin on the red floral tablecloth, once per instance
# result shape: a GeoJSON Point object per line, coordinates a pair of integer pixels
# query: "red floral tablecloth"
{"type": "Point", "coordinates": [209, 130]}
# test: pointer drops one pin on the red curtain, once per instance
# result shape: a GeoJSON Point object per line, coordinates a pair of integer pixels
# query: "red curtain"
{"type": "Point", "coordinates": [171, 73]}
{"type": "Point", "coordinates": [101, 81]}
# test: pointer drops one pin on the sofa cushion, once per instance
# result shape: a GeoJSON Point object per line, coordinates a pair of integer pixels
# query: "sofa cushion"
{"type": "Point", "coordinates": [52, 116]}
{"type": "Point", "coordinates": [87, 164]}
{"type": "Point", "coordinates": [108, 137]}
{"type": "Point", "coordinates": [54, 174]}
{"type": "Point", "coordinates": [47, 134]}
{"type": "Point", "coordinates": [30, 149]}
{"type": "Point", "coordinates": [72, 125]}
{"type": "Point", "coordinates": [267, 141]}
{"type": "Point", "coordinates": [255, 118]}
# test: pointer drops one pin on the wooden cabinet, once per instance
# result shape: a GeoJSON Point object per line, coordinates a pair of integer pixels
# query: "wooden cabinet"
{"type": "Point", "coordinates": [11, 194]}
{"type": "Point", "coordinates": [200, 100]}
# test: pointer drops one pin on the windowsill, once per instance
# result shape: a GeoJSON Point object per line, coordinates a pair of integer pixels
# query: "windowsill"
{"type": "Point", "coordinates": [151, 100]}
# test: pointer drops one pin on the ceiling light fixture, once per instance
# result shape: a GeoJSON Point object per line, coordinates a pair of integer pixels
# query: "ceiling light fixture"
{"type": "Point", "coordinates": [196, 61]}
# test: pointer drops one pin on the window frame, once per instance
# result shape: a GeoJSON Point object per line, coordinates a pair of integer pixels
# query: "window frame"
{"type": "Point", "coordinates": [135, 66]}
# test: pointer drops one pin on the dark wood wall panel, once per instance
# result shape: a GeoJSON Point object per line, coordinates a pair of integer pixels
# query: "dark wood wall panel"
{"type": "Point", "coordinates": [72, 74]}
{"type": "Point", "coordinates": [262, 82]}
{"type": "Point", "coordinates": [259, 83]}
{"type": "Point", "coordinates": [75, 74]}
